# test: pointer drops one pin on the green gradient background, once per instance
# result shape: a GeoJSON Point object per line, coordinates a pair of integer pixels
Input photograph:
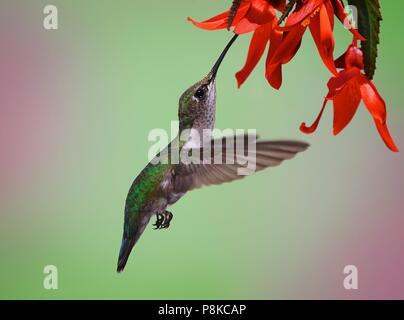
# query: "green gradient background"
{"type": "Point", "coordinates": [112, 72]}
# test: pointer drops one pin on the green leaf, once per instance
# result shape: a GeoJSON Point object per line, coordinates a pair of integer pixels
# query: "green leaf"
{"type": "Point", "coordinates": [369, 17]}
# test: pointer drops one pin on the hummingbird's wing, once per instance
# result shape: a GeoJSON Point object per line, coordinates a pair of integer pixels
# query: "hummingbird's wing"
{"type": "Point", "coordinates": [217, 167]}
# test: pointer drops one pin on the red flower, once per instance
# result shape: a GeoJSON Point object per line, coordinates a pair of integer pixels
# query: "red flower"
{"type": "Point", "coordinates": [346, 90]}
{"type": "Point", "coordinates": [258, 16]}
{"type": "Point", "coordinates": [318, 16]}
{"type": "Point", "coordinates": [250, 15]}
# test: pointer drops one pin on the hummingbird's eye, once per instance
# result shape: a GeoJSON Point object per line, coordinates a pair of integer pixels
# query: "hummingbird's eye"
{"type": "Point", "coordinates": [200, 93]}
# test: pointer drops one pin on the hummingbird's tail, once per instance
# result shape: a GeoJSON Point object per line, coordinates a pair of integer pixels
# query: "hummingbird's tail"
{"type": "Point", "coordinates": [124, 253]}
{"type": "Point", "coordinates": [129, 240]}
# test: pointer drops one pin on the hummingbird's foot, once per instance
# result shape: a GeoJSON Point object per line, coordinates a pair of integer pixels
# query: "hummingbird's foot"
{"type": "Point", "coordinates": [163, 220]}
{"type": "Point", "coordinates": [159, 222]}
{"type": "Point", "coordinates": [168, 216]}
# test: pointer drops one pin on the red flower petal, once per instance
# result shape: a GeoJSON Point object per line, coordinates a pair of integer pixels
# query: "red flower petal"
{"type": "Point", "coordinates": [215, 23]}
{"type": "Point", "coordinates": [354, 57]}
{"type": "Point", "coordinates": [259, 13]}
{"type": "Point", "coordinates": [273, 73]}
{"type": "Point", "coordinates": [245, 26]}
{"type": "Point", "coordinates": [340, 61]}
{"type": "Point", "coordinates": [321, 30]}
{"type": "Point", "coordinates": [220, 21]}
{"type": "Point", "coordinates": [377, 108]}
{"type": "Point", "coordinates": [372, 99]}
{"type": "Point", "coordinates": [257, 47]}
{"type": "Point", "coordinates": [289, 46]}
{"type": "Point", "coordinates": [385, 134]}
{"type": "Point", "coordinates": [346, 103]}
{"type": "Point", "coordinates": [303, 11]}
{"type": "Point", "coordinates": [337, 83]}
{"type": "Point", "coordinates": [330, 11]}
{"type": "Point", "coordinates": [314, 126]}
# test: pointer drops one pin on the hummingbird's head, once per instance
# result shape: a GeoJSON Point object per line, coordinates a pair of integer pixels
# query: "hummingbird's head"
{"type": "Point", "coordinates": [197, 106]}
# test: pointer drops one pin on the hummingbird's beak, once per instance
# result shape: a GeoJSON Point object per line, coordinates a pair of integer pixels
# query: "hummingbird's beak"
{"type": "Point", "coordinates": [213, 72]}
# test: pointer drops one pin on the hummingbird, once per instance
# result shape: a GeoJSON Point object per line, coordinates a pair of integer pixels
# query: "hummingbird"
{"type": "Point", "coordinates": [160, 185]}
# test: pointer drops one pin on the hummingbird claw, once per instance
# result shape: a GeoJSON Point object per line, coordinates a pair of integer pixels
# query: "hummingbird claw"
{"type": "Point", "coordinates": [168, 216]}
{"type": "Point", "coordinates": [163, 220]}
{"type": "Point", "coordinates": [159, 222]}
